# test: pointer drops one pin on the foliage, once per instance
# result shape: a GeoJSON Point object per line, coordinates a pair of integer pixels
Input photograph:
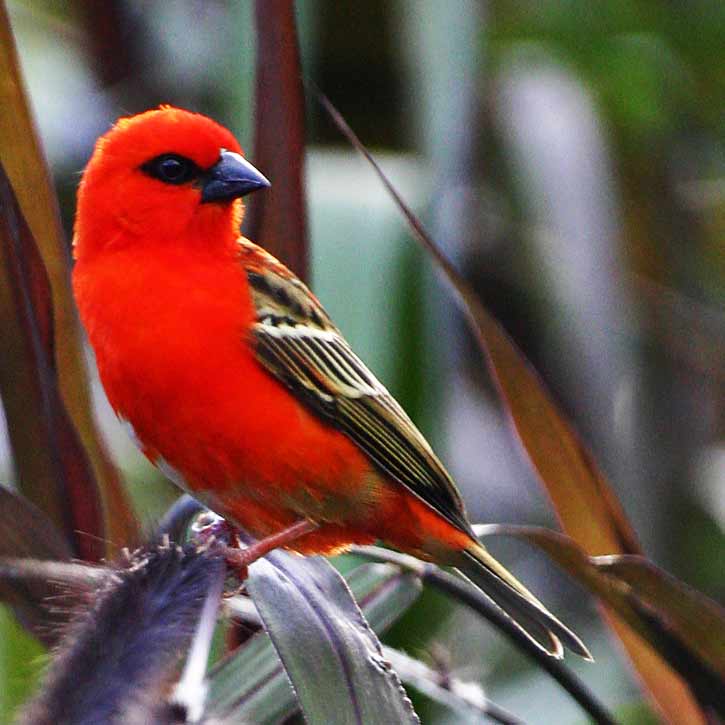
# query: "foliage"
{"type": "Point", "coordinates": [300, 621]}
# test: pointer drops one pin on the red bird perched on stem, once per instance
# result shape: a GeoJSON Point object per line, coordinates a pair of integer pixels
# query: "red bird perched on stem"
{"type": "Point", "coordinates": [235, 381]}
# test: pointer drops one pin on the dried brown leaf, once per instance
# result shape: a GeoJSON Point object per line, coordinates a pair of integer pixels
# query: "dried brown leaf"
{"type": "Point", "coordinates": [585, 503]}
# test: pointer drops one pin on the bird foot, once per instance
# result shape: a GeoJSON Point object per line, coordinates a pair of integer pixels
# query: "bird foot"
{"type": "Point", "coordinates": [210, 528]}
{"type": "Point", "coordinates": [239, 559]}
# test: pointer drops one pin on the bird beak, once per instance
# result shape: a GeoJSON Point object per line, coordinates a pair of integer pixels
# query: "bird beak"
{"type": "Point", "coordinates": [231, 177]}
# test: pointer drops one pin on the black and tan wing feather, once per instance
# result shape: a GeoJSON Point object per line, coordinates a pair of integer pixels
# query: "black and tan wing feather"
{"type": "Point", "coordinates": [297, 342]}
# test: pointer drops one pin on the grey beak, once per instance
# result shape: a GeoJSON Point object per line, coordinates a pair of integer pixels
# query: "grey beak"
{"type": "Point", "coordinates": [231, 177]}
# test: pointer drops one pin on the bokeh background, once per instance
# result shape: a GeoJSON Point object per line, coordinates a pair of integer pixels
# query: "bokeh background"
{"type": "Point", "coordinates": [569, 155]}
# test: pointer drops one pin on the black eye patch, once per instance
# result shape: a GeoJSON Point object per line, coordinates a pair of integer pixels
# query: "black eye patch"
{"type": "Point", "coordinates": [171, 169]}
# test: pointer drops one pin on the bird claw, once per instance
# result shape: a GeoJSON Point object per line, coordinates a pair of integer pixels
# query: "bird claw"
{"type": "Point", "coordinates": [210, 528]}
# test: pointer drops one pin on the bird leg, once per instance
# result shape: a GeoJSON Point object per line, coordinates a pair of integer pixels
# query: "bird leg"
{"type": "Point", "coordinates": [240, 559]}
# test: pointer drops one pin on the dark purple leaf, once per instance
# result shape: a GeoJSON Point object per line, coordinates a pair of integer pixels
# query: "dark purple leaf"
{"type": "Point", "coordinates": [24, 162]}
{"type": "Point", "coordinates": [26, 532]}
{"type": "Point", "coordinates": [277, 217]}
{"type": "Point", "coordinates": [53, 469]}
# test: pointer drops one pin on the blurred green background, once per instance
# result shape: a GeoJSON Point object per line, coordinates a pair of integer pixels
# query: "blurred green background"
{"type": "Point", "coordinates": [569, 155]}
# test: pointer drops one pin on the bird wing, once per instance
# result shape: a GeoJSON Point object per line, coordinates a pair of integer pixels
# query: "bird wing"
{"type": "Point", "coordinates": [298, 343]}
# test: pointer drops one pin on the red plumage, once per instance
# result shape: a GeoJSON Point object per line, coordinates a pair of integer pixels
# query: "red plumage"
{"type": "Point", "coordinates": [234, 379]}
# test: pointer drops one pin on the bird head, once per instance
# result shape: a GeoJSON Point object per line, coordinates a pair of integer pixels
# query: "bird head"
{"type": "Point", "coordinates": [163, 176]}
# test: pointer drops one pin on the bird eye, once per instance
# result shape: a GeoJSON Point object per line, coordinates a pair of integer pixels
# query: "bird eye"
{"type": "Point", "coordinates": [171, 169]}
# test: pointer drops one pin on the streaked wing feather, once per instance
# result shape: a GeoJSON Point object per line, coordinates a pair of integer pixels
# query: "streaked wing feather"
{"type": "Point", "coordinates": [297, 342]}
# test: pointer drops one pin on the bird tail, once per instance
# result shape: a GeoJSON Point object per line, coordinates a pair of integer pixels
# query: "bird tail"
{"type": "Point", "coordinates": [518, 603]}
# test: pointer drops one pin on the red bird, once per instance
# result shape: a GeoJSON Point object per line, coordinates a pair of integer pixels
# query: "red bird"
{"type": "Point", "coordinates": [235, 381]}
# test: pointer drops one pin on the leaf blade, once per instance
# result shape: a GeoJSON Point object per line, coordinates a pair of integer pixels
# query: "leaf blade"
{"type": "Point", "coordinates": [277, 218]}
{"type": "Point", "coordinates": [22, 156]}
{"type": "Point", "coordinates": [675, 623]}
{"type": "Point", "coordinates": [317, 627]}
{"type": "Point", "coordinates": [26, 532]}
{"type": "Point", "coordinates": [584, 502]}
{"type": "Point", "coordinates": [54, 471]}
{"type": "Point", "coordinates": [251, 684]}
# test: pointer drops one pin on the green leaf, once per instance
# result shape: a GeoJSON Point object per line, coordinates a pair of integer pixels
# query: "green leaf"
{"type": "Point", "coordinates": [250, 685]}
{"type": "Point", "coordinates": [332, 657]}
{"type": "Point", "coordinates": [21, 663]}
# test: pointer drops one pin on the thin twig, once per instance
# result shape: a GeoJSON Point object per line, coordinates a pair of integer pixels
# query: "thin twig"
{"type": "Point", "coordinates": [449, 691]}
{"type": "Point", "coordinates": [64, 572]}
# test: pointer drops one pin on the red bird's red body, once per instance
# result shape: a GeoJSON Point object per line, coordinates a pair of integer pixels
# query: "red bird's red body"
{"type": "Point", "coordinates": [232, 376]}
{"type": "Point", "coordinates": [208, 410]}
